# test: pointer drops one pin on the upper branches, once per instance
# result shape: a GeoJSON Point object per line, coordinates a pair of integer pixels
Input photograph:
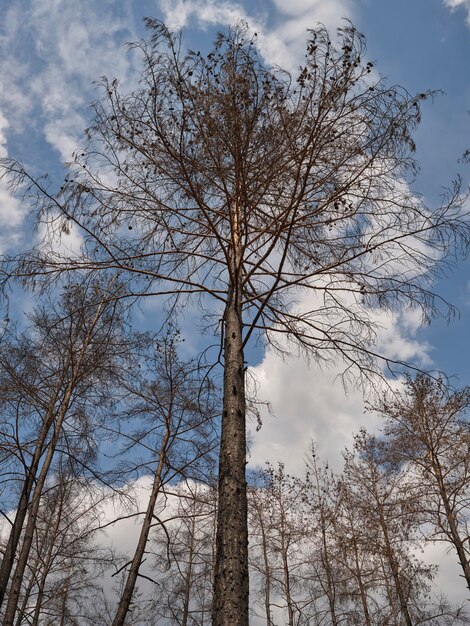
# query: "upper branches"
{"type": "Point", "coordinates": [219, 173]}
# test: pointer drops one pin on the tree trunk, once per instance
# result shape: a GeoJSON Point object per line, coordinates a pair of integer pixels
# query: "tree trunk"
{"type": "Point", "coordinates": [395, 572]}
{"type": "Point", "coordinates": [189, 572]}
{"type": "Point", "coordinates": [23, 557]}
{"type": "Point", "coordinates": [360, 582]}
{"type": "Point", "coordinates": [286, 570]}
{"type": "Point", "coordinates": [32, 581]}
{"type": "Point", "coordinates": [330, 583]}
{"type": "Point", "coordinates": [453, 531]}
{"type": "Point", "coordinates": [22, 509]}
{"type": "Point", "coordinates": [230, 603]}
{"type": "Point", "coordinates": [65, 593]}
{"type": "Point", "coordinates": [47, 564]}
{"type": "Point", "coordinates": [129, 587]}
{"type": "Point", "coordinates": [267, 568]}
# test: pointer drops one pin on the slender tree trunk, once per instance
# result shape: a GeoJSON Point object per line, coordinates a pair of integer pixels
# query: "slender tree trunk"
{"type": "Point", "coordinates": [330, 583]}
{"type": "Point", "coordinates": [230, 603]}
{"type": "Point", "coordinates": [129, 587]}
{"type": "Point", "coordinates": [32, 581]}
{"type": "Point", "coordinates": [360, 582]}
{"type": "Point", "coordinates": [22, 509]}
{"type": "Point", "coordinates": [23, 557]}
{"type": "Point", "coordinates": [47, 564]}
{"type": "Point", "coordinates": [65, 593]}
{"type": "Point", "coordinates": [267, 569]}
{"type": "Point", "coordinates": [453, 531]}
{"type": "Point", "coordinates": [395, 574]}
{"type": "Point", "coordinates": [189, 573]}
{"type": "Point", "coordinates": [391, 594]}
{"type": "Point", "coordinates": [285, 567]}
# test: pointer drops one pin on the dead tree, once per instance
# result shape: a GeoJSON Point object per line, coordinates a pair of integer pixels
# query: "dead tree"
{"type": "Point", "coordinates": [427, 426]}
{"type": "Point", "coordinates": [51, 379]}
{"type": "Point", "coordinates": [184, 557]}
{"type": "Point", "coordinates": [178, 406]}
{"type": "Point", "coordinates": [66, 562]}
{"type": "Point", "coordinates": [388, 507]}
{"type": "Point", "coordinates": [221, 178]}
{"type": "Point", "coordinates": [277, 544]}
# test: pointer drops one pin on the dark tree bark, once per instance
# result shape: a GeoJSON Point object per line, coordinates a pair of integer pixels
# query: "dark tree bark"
{"type": "Point", "coordinates": [231, 564]}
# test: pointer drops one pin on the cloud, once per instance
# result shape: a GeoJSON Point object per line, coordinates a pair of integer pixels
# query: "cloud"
{"type": "Point", "coordinates": [282, 44]}
{"type": "Point", "coordinates": [309, 403]}
{"type": "Point", "coordinates": [56, 51]}
{"type": "Point", "coordinates": [11, 213]}
{"type": "Point", "coordinates": [456, 4]}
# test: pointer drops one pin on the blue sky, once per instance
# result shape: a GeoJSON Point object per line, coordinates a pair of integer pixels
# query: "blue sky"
{"type": "Point", "coordinates": [53, 50]}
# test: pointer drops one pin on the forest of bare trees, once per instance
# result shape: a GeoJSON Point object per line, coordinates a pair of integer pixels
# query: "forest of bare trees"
{"type": "Point", "coordinates": [278, 210]}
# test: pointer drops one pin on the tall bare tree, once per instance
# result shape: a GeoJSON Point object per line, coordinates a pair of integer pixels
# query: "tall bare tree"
{"type": "Point", "coordinates": [52, 378]}
{"type": "Point", "coordinates": [221, 178]}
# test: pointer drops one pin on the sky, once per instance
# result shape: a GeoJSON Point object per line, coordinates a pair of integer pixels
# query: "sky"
{"type": "Point", "coordinates": [51, 52]}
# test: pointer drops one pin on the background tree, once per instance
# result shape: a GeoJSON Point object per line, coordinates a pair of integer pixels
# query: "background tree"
{"type": "Point", "coordinates": [326, 572]}
{"type": "Point", "coordinates": [385, 501]}
{"type": "Point", "coordinates": [277, 538]}
{"type": "Point", "coordinates": [66, 563]}
{"type": "Point", "coordinates": [184, 558]}
{"type": "Point", "coordinates": [427, 427]}
{"type": "Point", "coordinates": [221, 178]}
{"type": "Point", "coordinates": [55, 381]}
{"type": "Point", "coordinates": [178, 404]}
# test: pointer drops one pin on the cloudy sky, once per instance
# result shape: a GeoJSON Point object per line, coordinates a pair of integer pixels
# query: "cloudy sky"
{"type": "Point", "coordinates": [52, 51]}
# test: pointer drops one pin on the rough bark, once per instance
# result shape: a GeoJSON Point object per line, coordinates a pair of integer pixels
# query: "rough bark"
{"type": "Point", "coordinates": [230, 604]}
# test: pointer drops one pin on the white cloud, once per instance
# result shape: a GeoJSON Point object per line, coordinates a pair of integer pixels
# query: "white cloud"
{"type": "Point", "coordinates": [281, 45]}
{"type": "Point", "coordinates": [68, 46]}
{"type": "Point", "coordinates": [449, 579]}
{"type": "Point", "coordinates": [456, 4]}
{"type": "Point", "coordinates": [11, 212]}
{"type": "Point", "coordinates": [310, 403]}
{"type": "Point", "coordinates": [59, 239]}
